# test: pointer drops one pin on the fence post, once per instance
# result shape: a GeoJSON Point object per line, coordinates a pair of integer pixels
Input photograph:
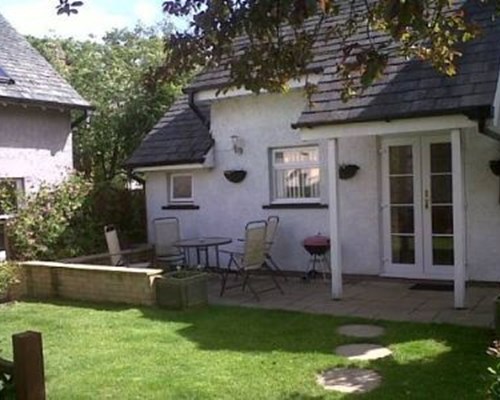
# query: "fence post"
{"type": "Point", "coordinates": [29, 376]}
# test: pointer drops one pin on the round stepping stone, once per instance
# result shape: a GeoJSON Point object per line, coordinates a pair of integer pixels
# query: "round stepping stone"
{"type": "Point", "coordinates": [349, 380]}
{"type": "Point", "coordinates": [361, 331]}
{"type": "Point", "coordinates": [363, 351]}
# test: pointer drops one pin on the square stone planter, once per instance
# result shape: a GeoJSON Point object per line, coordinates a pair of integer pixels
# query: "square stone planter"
{"type": "Point", "coordinates": [181, 290]}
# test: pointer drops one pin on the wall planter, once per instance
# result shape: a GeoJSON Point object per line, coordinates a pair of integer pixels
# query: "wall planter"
{"type": "Point", "coordinates": [181, 290]}
{"type": "Point", "coordinates": [495, 167]}
{"type": "Point", "coordinates": [347, 171]}
{"type": "Point", "coordinates": [235, 175]}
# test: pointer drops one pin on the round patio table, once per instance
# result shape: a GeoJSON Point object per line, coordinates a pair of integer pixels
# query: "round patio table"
{"type": "Point", "coordinates": [202, 245]}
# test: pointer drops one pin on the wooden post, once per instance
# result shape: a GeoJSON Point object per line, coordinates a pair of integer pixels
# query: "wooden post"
{"type": "Point", "coordinates": [334, 209]}
{"type": "Point", "coordinates": [29, 376]}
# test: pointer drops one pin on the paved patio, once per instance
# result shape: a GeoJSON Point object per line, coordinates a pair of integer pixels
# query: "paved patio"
{"type": "Point", "coordinates": [368, 298]}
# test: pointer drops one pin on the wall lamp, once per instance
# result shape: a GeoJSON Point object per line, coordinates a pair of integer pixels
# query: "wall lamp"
{"type": "Point", "coordinates": [237, 142]}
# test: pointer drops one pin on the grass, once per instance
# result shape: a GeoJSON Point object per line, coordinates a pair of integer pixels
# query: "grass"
{"type": "Point", "coordinates": [109, 352]}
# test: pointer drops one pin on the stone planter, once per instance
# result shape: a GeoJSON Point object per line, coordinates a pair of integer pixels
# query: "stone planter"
{"type": "Point", "coordinates": [497, 316]}
{"type": "Point", "coordinates": [181, 290]}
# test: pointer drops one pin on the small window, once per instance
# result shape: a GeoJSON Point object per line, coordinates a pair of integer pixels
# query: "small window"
{"type": "Point", "coordinates": [181, 188]}
{"type": "Point", "coordinates": [295, 174]}
{"type": "Point", "coordinates": [11, 193]}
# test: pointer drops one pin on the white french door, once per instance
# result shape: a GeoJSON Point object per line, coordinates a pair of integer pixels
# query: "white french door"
{"type": "Point", "coordinates": [417, 207]}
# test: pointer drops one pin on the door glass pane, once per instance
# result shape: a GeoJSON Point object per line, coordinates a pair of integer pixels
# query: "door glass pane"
{"type": "Point", "coordinates": [441, 189]}
{"type": "Point", "coordinates": [402, 220]}
{"type": "Point", "coordinates": [442, 220]}
{"type": "Point", "coordinates": [401, 159]}
{"type": "Point", "coordinates": [401, 189]}
{"type": "Point", "coordinates": [440, 157]}
{"type": "Point", "coordinates": [403, 249]}
{"type": "Point", "coordinates": [442, 251]}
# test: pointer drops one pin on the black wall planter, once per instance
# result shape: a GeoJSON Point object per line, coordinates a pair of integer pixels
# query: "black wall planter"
{"type": "Point", "coordinates": [347, 171]}
{"type": "Point", "coordinates": [495, 167]}
{"type": "Point", "coordinates": [235, 175]}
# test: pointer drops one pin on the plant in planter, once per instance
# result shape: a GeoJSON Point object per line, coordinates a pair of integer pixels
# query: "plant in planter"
{"type": "Point", "coordinates": [9, 277]}
{"type": "Point", "coordinates": [182, 289]}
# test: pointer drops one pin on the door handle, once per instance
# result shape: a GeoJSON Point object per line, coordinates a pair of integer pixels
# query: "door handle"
{"type": "Point", "coordinates": [426, 199]}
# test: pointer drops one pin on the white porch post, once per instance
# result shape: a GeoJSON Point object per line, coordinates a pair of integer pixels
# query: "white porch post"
{"type": "Point", "coordinates": [334, 208]}
{"type": "Point", "coordinates": [459, 237]}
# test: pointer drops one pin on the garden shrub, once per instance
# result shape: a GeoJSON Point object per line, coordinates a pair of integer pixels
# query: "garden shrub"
{"type": "Point", "coordinates": [9, 275]}
{"type": "Point", "coordinates": [67, 220]}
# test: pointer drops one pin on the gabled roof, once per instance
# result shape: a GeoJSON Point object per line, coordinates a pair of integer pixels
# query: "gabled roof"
{"type": "Point", "coordinates": [178, 138]}
{"type": "Point", "coordinates": [34, 79]}
{"type": "Point", "coordinates": [407, 89]}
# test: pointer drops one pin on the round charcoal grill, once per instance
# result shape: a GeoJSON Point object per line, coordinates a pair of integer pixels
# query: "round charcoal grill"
{"type": "Point", "coordinates": [317, 246]}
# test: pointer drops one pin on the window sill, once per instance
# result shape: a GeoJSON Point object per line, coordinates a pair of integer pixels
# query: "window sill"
{"type": "Point", "coordinates": [181, 207]}
{"type": "Point", "coordinates": [292, 206]}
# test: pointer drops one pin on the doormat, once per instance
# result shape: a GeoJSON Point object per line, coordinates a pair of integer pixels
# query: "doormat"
{"type": "Point", "coordinates": [438, 287]}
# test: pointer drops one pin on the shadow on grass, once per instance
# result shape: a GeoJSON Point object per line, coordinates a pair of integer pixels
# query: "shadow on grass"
{"type": "Point", "coordinates": [430, 360]}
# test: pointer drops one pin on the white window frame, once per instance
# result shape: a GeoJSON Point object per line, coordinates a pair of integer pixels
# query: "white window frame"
{"type": "Point", "coordinates": [171, 189]}
{"type": "Point", "coordinates": [298, 165]}
{"type": "Point", "coordinates": [20, 189]}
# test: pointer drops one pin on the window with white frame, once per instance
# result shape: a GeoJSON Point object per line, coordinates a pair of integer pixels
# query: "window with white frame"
{"type": "Point", "coordinates": [181, 188]}
{"type": "Point", "coordinates": [11, 194]}
{"type": "Point", "coordinates": [295, 174]}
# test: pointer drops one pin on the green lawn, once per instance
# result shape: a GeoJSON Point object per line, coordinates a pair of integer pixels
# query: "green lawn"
{"type": "Point", "coordinates": [107, 352]}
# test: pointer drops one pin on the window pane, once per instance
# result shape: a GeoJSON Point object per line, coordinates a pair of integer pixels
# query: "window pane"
{"type": "Point", "coordinates": [402, 220]}
{"type": "Point", "coordinates": [441, 189]}
{"type": "Point", "coordinates": [10, 189]}
{"type": "Point", "coordinates": [304, 156]}
{"type": "Point", "coordinates": [298, 183]}
{"type": "Point", "coordinates": [403, 250]}
{"type": "Point", "coordinates": [401, 159]}
{"type": "Point", "coordinates": [442, 251]}
{"type": "Point", "coordinates": [182, 187]}
{"type": "Point", "coordinates": [401, 190]}
{"type": "Point", "coordinates": [442, 220]}
{"type": "Point", "coordinates": [440, 157]}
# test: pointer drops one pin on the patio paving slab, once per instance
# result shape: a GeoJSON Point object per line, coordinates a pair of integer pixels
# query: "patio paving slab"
{"type": "Point", "coordinates": [361, 331]}
{"type": "Point", "coordinates": [363, 351]}
{"type": "Point", "coordinates": [349, 380]}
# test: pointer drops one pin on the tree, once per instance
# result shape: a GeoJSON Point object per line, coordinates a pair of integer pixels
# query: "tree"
{"type": "Point", "coordinates": [278, 36]}
{"type": "Point", "coordinates": [115, 76]}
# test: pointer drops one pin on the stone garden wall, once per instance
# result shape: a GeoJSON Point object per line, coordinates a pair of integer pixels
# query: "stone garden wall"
{"type": "Point", "coordinates": [43, 280]}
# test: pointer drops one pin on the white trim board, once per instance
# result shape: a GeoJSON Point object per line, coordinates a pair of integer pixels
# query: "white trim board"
{"type": "Point", "coordinates": [400, 126]}
{"type": "Point", "coordinates": [219, 94]}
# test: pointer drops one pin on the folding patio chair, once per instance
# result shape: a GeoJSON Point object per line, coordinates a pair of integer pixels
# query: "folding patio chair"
{"type": "Point", "coordinates": [123, 258]}
{"type": "Point", "coordinates": [167, 233]}
{"type": "Point", "coordinates": [250, 260]}
{"type": "Point", "coordinates": [272, 229]}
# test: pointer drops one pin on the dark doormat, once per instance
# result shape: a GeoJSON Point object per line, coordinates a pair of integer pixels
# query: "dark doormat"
{"type": "Point", "coordinates": [438, 287]}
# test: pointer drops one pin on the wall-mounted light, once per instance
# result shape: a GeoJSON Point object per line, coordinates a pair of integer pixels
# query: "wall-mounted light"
{"type": "Point", "coordinates": [237, 142]}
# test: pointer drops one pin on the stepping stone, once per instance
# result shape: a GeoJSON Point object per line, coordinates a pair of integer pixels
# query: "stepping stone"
{"type": "Point", "coordinates": [349, 380]}
{"type": "Point", "coordinates": [363, 351]}
{"type": "Point", "coordinates": [361, 331]}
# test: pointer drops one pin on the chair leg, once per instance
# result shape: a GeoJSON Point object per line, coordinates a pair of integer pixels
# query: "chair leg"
{"type": "Point", "coordinates": [275, 267]}
{"type": "Point", "coordinates": [254, 292]}
{"type": "Point", "coordinates": [225, 275]}
{"type": "Point", "coordinates": [273, 277]}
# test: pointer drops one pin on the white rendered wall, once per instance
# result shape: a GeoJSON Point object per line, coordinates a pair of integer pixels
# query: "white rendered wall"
{"type": "Point", "coordinates": [264, 122]}
{"type": "Point", "coordinates": [35, 144]}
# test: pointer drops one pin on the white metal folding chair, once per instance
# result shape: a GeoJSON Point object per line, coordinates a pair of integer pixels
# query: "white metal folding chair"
{"type": "Point", "coordinates": [167, 233]}
{"type": "Point", "coordinates": [121, 257]}
{"type": "Point", "coordinates": [250, 260]}
{"type": "Point", "coordinates": [271, 232]}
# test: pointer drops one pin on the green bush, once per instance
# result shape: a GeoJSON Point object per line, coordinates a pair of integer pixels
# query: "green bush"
{"type": "Point", "coordinates": [67, 220]}
{"type": "Point", "coordinates": [9, 275]}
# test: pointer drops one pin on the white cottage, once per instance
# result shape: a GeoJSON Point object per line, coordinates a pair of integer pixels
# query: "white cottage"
{"type": "Point", "coordinates": [424, 203]}
{"type": "Point", "coordinates": [36, 119]}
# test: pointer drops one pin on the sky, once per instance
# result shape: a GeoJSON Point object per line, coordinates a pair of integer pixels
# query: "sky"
{"type": "Point", "coordinates": [38, 17]}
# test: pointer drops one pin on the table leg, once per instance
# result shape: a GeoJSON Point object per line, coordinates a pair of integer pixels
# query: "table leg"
{"type": "Point", "coordinates": [217, 258]}
{"type": "Point", "coordinates": [197, 256]}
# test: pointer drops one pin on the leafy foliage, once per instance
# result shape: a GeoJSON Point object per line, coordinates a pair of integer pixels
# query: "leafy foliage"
{"type": "Point", "coordinates": [266, 43]}
{"type": "Point", "coordinates": [67, 220]}
{"type": "Point", "coordinates": [494, 390]}
{"type": "Point", "coordinates": [114, 75]}
{"type": "Point", "coordinates": [9, 275]}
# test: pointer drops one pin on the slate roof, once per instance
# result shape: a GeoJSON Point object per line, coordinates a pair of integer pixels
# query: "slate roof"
{"type": "Point", "coordinates": [408, 89]}
{"type": "Point", "coordinates": [35, 79]}
{"type": "Point", "coordinates": [178, 138]}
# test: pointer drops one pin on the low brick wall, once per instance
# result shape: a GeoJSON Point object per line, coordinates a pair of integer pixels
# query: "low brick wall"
{"type": "Point", "coordinates": [42, 280]}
